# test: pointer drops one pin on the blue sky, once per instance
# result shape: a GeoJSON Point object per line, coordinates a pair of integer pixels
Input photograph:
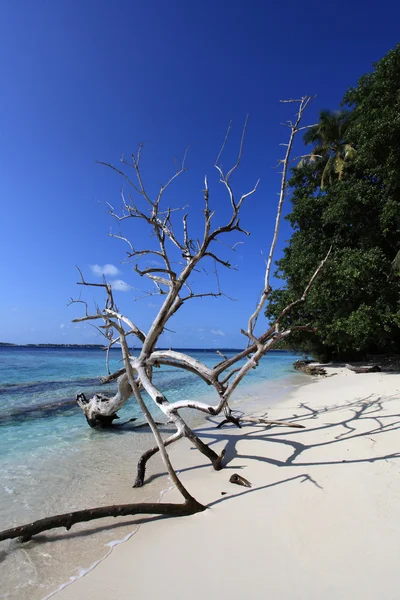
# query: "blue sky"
{"type": "Point", "coordinates": [88, 81]}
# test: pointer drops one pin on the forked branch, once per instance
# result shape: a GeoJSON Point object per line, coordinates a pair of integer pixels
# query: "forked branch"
{"type": "Point", "coordinates": [178, 248]}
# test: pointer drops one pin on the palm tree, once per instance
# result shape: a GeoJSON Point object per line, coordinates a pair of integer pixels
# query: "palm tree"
{"type": "Point", "coordinates": [395, 270]}
{"type": "Point", "coordinates": [331, 147]}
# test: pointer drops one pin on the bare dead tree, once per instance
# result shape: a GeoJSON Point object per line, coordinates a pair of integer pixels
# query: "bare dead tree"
{"type": "Point", "coordinates": [170, 279]}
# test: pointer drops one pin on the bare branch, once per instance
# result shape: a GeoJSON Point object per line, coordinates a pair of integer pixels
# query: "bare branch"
{"type": "Point", "coordinates": [204, 295]}
{"type": "Point", "coordinates": [244, 196]}
{"type": "Point", "coordinates": [303, 103]}
{"type": "Point", "coordinates": [179, 172]}
{"type": "Point", "coordinates": [135, 165]}
{"type": "Point", "coordinates": [150, 270]}
{"type": "Point", "coordinates": [121, 237]}
{"type": "Point", "coordinates": [224, 263]}
{"type": "Point", "coordinates": [88, 318]}
{"type": "Point", "coordinates": [223, 145]}
{"type": "Point", "coordinates": [240, 151]}
{"type": "Point", "coordinates": [138, 370]}
{"type": "Point", "coordinates": [289, 307]}
{"type": "Point", "coordinates": [229, 375]}
{"type": "Point", "coordinates": [128, 322]}
{"type": "Point", "coordinates": [119, 172]}
{"type": "Point", "coordinates": [79, 301]}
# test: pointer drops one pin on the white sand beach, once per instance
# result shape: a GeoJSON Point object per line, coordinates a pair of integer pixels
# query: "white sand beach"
{"type": "Point", "coordinates": [322, 519]}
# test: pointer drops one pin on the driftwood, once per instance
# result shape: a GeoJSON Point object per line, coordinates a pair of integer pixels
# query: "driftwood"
{"type": "Point", "coordinates": [235, 478]}
{"type": "Point", "coordinates": [370, 369]}
{"type": "Point", "coordinates": [175, 259]}
{"type": "Point", "coordinates": [174, 286]}
{"type": "Point", "coordinates": [25, 532]}
{"type": "Point", "coordinates": [305, 367]}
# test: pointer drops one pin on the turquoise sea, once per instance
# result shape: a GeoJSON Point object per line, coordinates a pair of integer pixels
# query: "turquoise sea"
{"type": "Point", "coordinates": [52, 462]}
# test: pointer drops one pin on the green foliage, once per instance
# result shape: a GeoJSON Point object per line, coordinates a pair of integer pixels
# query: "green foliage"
{"type": "Point", "coordinates": [355, 302]}
{"type": "Point", "coordinates": [331, 147]}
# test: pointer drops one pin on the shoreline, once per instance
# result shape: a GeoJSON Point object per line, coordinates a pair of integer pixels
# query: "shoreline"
{"type": "Point", "coordinates": [323, 499]}
{"type": "Point", "coordinates": [57, 558]}
{"type": "Point", "coordinates": [256, 392]}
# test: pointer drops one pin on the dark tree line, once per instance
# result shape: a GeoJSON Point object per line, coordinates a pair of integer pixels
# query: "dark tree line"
{"type": "Point", "coordinates": [346, 194]}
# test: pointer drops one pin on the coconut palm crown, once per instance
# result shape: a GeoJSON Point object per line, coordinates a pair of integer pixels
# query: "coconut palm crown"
{"type": "Point", "coordinates": [331, 147]}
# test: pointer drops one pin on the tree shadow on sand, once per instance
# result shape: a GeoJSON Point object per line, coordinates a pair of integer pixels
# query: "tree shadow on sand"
{"type": "Point", "coordinates": [368, 417]}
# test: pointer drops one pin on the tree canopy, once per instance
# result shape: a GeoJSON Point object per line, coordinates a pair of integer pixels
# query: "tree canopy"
{"type": "Point", "coordinates": [331, 148]}
{"type": "Point", "coordinates": [355, 303]}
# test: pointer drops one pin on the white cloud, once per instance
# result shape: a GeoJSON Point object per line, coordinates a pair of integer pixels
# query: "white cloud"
{"type": "Point", "coordinates": [119, 285]}
{"type": "Point", "coordinates": [62, 325]}
{"type": "Point", "coordinates": [218, 332]}
{"type": "Point", "coordinates": [104, 270]}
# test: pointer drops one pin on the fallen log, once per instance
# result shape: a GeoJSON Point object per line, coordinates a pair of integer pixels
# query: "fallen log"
{"type": "Point", "coordinates": [309, 369]}
{"type": "Point", "coordinates": [370, 369]}
{"type": "Point", "coordinates": [25, 532]}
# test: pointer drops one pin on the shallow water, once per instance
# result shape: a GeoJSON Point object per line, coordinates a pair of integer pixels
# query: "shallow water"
{"type": "Point", "coordinates": [52, 462]}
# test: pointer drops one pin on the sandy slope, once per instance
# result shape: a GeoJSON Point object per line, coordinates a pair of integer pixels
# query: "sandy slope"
{"type": "Point", "coordinates": [322, 520]}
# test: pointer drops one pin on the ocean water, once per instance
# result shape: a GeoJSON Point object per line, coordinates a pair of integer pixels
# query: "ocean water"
{"type": "Point", "coordinates": [52, 462]}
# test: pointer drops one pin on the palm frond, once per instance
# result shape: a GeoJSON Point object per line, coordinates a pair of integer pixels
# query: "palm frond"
{"type": "Point", "coordinates": [339, 166]}
{"type": "Point", "coordinates": [312, 135]}
{"type": "Point", "coordinates": [396, 264]}
{"type": "Point", "coordinates": [330, 145]}
{"type": "Point", "coordinates": [302, 163]}
{"type": "Point", "coordinates": [327, 172]}
{"type": "Point", "coordinates": [320, 151]}
{"type": "Point", "coordinates": [349, 152]}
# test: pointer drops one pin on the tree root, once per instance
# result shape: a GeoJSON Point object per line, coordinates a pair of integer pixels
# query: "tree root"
{"type": "Point", "coordinates": [25, 532]}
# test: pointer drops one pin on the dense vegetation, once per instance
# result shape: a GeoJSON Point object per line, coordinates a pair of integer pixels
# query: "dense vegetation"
{"type": "Point", "coordinates": [347, 195]}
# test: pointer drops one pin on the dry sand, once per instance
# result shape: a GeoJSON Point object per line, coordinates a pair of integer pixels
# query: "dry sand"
{"type": "Point", "coordinates": [322, 520]}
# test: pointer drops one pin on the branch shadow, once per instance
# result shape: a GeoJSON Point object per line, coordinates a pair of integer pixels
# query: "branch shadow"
{"type": "Point", "coordinates": [370, 410]}
{"type": "Point", "coordinates": [362, 418]}
{"type": "Point", "coordinates": [303, 477]}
